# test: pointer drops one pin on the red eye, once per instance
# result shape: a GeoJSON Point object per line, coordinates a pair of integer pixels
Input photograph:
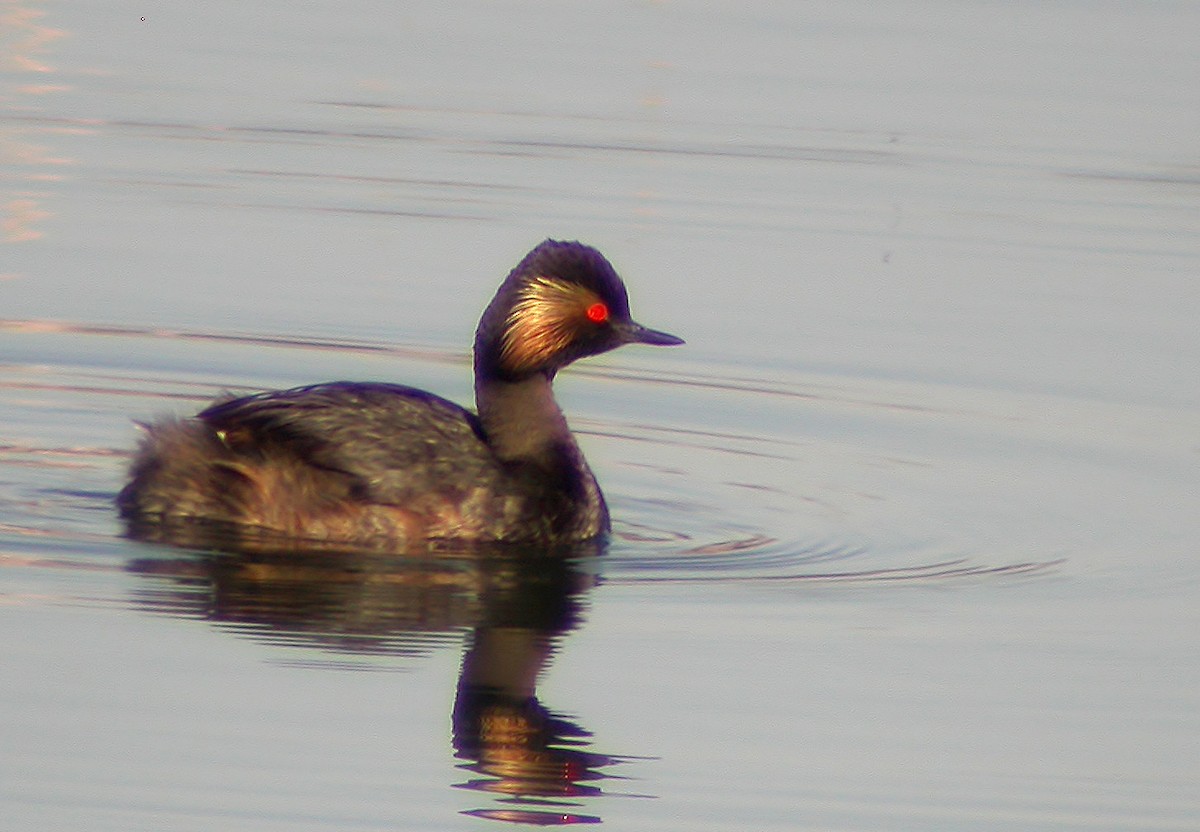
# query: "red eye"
{"type": "Point", "coordinates": [597, 313]}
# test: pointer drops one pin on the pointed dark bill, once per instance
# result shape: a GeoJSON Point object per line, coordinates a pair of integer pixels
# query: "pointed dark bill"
{"type": "Point", "coordinates": [638, 334]}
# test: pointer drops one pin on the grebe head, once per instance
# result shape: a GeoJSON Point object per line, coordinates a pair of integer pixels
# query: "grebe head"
{"type": "Point", "coordinates": [562, 302]}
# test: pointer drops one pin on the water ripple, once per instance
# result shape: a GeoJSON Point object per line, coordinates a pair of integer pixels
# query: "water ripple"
{"type": "Point", "coordinates": [759, 558]}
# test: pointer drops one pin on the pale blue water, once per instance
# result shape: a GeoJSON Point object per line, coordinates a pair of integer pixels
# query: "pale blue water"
{"type": "Point", "coordinates": [905, 536]}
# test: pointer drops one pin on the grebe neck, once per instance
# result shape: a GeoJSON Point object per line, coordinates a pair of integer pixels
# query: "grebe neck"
{"type": "Point", "coordinates": [521, 419]}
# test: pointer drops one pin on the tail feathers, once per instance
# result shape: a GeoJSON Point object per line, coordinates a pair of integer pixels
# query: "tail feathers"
{"type": "Point", "coordinates": [183, 469]}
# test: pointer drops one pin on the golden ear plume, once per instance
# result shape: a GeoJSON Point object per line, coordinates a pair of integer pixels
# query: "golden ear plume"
{"type": "Point", "coordinates": [546, 318]}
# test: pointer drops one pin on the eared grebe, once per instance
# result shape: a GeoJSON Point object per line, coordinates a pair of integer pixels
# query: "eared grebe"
{"type": "Point", "coordinates": [384, 464]}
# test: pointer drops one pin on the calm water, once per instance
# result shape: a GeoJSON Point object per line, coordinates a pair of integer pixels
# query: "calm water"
{"type": "Point", "coordinates": [906, 536]}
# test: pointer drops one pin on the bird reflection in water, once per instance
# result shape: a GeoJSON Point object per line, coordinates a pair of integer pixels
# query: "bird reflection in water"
{"type": "Point", "coordinates": [517, 604]}
{"type": "Point", "coordinates": [520, 749]}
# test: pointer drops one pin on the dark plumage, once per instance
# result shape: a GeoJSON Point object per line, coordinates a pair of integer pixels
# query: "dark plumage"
{"type": "Point", "coordinates": [366, 463]}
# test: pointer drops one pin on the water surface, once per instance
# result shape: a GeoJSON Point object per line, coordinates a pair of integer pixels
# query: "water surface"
{"type": "Point", "coordinates": [905, 537]}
